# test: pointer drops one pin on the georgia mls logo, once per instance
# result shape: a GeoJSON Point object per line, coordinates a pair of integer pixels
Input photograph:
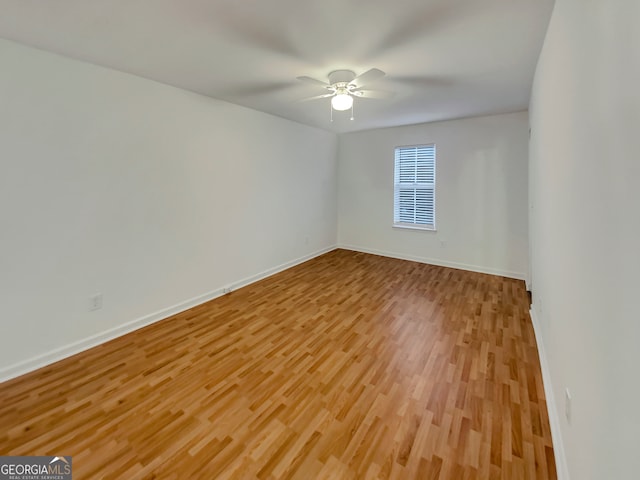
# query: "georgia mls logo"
{"type": "Point", "coordinates": [35, 468]}
{"type": "Point", "coordinates": [65, 464]}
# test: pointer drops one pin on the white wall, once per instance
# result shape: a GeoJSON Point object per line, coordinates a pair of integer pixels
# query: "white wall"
{"type": "Point", "coordinates": [481, 194]}
{"type": "Point", "coordinates": [585, 226]}
{"type": "Point", "coordinates": [154, 196]}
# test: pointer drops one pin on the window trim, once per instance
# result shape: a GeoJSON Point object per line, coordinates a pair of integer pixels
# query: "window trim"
{"type": "Point", "coordinates": [415, 226]}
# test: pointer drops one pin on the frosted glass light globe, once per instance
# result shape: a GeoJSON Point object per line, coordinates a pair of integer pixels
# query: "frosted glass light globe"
{"type": "Point", "coordinates": [342, 101]}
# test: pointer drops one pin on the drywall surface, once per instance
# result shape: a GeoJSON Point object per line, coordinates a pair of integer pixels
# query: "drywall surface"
{"type": "Point", "coordinates": [481, 194]}
{"type": "Point", "coordinates": [585, 225]}
{"type": "Point", "coordinates": [155, 197]}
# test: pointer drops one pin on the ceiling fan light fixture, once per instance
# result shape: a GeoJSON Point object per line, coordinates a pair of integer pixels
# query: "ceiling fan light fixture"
{"type": "Point", "coordinates": [342, 101]}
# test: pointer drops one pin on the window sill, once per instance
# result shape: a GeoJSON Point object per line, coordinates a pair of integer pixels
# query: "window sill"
{"type": "Point", "coordinates": [428, 228]}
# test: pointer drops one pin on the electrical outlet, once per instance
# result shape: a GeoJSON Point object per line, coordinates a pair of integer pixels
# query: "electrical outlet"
{"type": "Point", "coordinates": [540, 304]}
{"type": "Point", "coordinates": [567, 405]}
{"type": "Point", "coordinates": [95, 302]}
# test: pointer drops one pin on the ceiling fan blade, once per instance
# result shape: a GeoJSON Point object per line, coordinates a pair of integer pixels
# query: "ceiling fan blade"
{"type": "Point", "coordinates": [367, 77]}
{"type": "Point", "coordinates": [372, 94]}
{"type": "Point", "coordinates": [326, 95]}
{"type": "Point", "coordinates": [415, 25]}
{"type": "Point", "coordinates": [313, 81]}
{"type": "Point", "coordinates": [240, 22]}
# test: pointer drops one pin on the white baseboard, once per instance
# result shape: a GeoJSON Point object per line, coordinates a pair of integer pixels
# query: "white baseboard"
{"type": "Point", "coordinates": [434, 261]}
{"type": "Point", "coordinates": [65, 351]}
{"type": "Point", "coordinates": [552, 406]}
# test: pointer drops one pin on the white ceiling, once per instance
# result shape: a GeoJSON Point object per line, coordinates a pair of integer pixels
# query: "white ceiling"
{"type": "Point", "coordinates": [443, 58]}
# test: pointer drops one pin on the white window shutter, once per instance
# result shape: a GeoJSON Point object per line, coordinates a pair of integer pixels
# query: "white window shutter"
{"type": "Point", "coordinates": [415, 187]}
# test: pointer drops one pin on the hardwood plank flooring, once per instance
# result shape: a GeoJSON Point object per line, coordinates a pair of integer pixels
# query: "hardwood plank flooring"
{"type": "Point", "coordinates": [349, 366]}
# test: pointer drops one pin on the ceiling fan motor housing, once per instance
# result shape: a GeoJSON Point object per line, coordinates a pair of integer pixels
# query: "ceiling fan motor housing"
{"type": "Point", "coordinates": [341, 76]}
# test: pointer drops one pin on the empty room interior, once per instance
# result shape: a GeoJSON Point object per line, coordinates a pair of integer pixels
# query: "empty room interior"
{"type": "Point", "coordinates": [320, 240]}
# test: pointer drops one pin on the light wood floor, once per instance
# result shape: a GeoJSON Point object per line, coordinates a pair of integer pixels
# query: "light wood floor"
{"type": "Point", "coordinates": [349, 366]}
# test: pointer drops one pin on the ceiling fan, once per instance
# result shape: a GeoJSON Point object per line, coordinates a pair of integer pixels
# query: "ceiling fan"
{"type": "Point", "coordinates": [344, 85]}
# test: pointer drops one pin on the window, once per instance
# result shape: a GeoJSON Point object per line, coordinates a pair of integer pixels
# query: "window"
{"type": "Point", "coordinates": [414, 198]}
